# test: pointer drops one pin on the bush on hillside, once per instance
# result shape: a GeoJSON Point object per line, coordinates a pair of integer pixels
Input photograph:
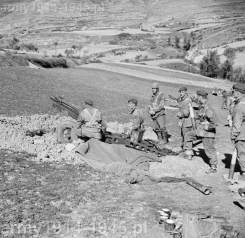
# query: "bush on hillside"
{"type": "Point", "coordinates": [49, 62]}
{"type": "Point", "coordinates": [238, 75]}
{"type": "Point", "coordinates": [29, 47]}
{"type": "Point", "coordinates": [123, 36]}
{"type": "Point", "coordinates": [230, 53]}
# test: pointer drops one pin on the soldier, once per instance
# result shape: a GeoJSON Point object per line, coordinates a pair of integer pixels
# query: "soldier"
{"type": "Point", "coordinates": [184, 113]}
{"type": "Point", "coordinates": [136, 120]}
{"type": "Point", "coordinates": [90, 123]}
{"type": "Point", "coordinates": [157, 113]}
{"type": "Point", "coordinates": [238, 126]}
{"type": "Point", "coordinates": [207, 122]}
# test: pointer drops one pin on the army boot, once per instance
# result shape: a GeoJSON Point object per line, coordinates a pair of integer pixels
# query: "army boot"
{"type": "Point", "coordinates": [161, 143]}
{"type": "Point", "coordinates": [165, 137]}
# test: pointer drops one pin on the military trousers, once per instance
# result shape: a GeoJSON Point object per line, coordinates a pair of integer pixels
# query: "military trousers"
{"type": "Point", "coordinates": [160, 123]}
{"type": "Point", "coordinates": [208, 145]}
{"type": "Point", "coordinates": [85, 132]}
{"type": "Point", "coordinates": [240, 146]}
{"type": "Point", "coordinates": [184, 130]}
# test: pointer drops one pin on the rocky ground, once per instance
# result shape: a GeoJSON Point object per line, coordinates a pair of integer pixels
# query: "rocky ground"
{"type": "Point", "coordinates": [44, 192]}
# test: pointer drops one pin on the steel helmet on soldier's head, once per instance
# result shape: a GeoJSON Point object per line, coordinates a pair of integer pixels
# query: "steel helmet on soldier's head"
{"type": "Point", "coordinates": [155, 85]}
{"type": "Point", "coordinates": [89, 102]}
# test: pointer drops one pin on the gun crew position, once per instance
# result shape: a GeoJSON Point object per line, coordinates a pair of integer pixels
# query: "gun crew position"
{"type": "Point", "coordinates": [197, 122]}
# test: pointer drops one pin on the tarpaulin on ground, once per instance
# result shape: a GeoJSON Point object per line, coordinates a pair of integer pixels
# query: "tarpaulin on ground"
{"type": "Point", "coordinates": [130, 164]}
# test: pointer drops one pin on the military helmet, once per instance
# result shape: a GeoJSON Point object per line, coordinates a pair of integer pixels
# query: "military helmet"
{"type": "Point", "coordinates": [155, 85]}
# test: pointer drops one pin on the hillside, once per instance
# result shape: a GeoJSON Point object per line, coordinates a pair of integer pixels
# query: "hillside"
{"type": "Point", "coordinates": [31, 15]}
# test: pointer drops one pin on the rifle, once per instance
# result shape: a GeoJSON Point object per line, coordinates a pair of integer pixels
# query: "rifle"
{"type": "Point", "coordinates": [61, 106]}
{"type": "Point", "coordinates": [233, 164]}
{"type": "Point", "coordinates": [193, 122]}
{"type": "Point", "coordinates": [173, 98]}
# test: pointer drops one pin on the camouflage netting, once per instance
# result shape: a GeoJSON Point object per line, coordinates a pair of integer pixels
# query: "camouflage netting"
{"type": "Point", "coordinates": [46, 148]}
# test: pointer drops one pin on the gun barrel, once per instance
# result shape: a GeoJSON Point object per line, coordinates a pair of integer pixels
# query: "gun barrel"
{"type": "Point", "coordinates": [62, 106]}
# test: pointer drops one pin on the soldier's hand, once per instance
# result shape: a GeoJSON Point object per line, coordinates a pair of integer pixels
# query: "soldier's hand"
{"type": "Point", "coordinates": [206, 127]}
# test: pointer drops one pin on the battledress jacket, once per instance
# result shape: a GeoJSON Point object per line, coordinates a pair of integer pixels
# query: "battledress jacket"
{"type": "Point", "coordinates": [158, 102]}
{"type": "Point", "coordinates": [184, 111]}
{"type": "Point", "coordinates": [206, 115]}
{"type": "Point", "coordinates": [137, 119]}
{"type": "Point", "coordinates": [238, 118]}
{"type": "Point", "coordinates": [91, 117]}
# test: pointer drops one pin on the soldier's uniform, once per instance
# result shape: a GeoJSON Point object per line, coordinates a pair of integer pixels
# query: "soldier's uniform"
{"type": "Point", "coordinates": [136, 120]}
{"type": "Point", "coordinates": [184, 114]}
{"type": "Point", "coordinates": [157, 103]}
{"type": "Point", "coordinates": [238, 126]}
{"type": "Point", "coordinates": [207, 122]}
{"type": "Point", "coordinates": [90, 123]}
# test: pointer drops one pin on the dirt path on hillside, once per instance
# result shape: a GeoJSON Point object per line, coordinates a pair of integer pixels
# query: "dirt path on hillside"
{"type": "Point", "coordinates": [153, 76]}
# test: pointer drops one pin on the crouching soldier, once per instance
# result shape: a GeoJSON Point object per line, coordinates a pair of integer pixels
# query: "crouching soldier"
{"type": "Point", "coordinates": [207, 122]}
{"type": "Point", "coordinates": [157, 113]}
{"type": "Point", "coordinates": [238, 126]}
{"type": "Point", "coordinates": [136, 120]}
{"type": "Point", "coordinates": [184, 113]}
{"type": "Point", "coordinates": [90, 123]}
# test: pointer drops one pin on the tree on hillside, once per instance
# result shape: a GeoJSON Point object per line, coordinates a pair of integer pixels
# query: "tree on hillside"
{"type": "Point", "coordinates": [169, 41]}
{"type": "Point", "coordinates": [209, 66]}
{"type": "Point", "coordinates": [69, 52]}
{"type": "Point", "coordinates": [186, 43]}
{"type": "Point", "coordinates": [55, 44]}
{"type": "Point", "coordinates": [74, 47]}
{"type": "Point", "coordinates": [176, 41]}
{"type": "Point", "coordinates": [226, 70]}
{"type": "Point", "coordinates": [79, 48]}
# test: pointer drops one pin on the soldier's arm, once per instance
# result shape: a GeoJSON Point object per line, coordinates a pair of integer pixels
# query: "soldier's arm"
{"type": "Point", "coordinates": [237, 123]}
{"type": "Point", "coordinates": [102, 122]}
{"type": "Point", "coordinates": [213, 119]}
{"type": "Point", "coordinates": [185, 110]}
{"type": "Point", "coordinates": [80, 118]}
{"type": "Point", "coordinates": [161, 104]}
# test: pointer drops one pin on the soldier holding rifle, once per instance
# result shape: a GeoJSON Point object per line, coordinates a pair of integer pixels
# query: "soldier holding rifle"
{"type": "Point", "coordinates": [207, 122]}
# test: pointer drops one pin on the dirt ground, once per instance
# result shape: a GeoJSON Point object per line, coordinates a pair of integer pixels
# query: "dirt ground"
{"type": "Point", "coordinates": [59, 199]}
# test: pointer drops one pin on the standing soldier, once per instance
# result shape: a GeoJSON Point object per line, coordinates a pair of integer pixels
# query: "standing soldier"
{"type": "Point", "coordinates": [90, 123]}
{"type": "Point", "coordinates": [136, 120]}
{"type": "Point", "coordinates": [207, 122]}
{"type": "Point", "coordinates": [238, 126]}
{"type": "Point", "coordinates": [184, 113]}
{"type": "Point", "coordinates": [157, 113]}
